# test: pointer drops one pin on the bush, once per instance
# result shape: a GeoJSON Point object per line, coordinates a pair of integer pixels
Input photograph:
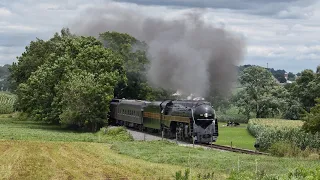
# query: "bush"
{"type": "Point", "coordinates": [282, 149]}
{"type": "Point", "coordinates": [114, 134]}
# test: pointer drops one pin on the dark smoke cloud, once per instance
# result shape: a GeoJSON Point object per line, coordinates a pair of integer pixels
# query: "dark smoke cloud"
{"type": "Point", "coordinates": [186, 53]}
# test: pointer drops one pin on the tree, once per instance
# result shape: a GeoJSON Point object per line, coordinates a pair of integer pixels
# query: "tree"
{"type": "Point", "coordinates": [35, 55]}
{"type": "Point", "coordinates": [312, 119]}
{"type": "Point", "coordinates": [261, 94]}
{"type": "Point", "coordinates": [73, 84]}
{"type": "Point", "coordinates": [291, 76]}
{"type": "Point", "coordinates": [306, 88]}
{"type": "Point", "coordinates": [134, 53]}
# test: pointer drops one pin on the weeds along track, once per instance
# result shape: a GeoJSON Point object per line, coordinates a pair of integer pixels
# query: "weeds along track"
{"type": "Point", "coordinates": [232, 149]}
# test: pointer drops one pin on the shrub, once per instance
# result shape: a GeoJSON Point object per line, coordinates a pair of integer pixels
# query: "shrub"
{"type": "Point", "coordinates": [114, 134]}
{"type": "Point", "coordinates": [282, 149]}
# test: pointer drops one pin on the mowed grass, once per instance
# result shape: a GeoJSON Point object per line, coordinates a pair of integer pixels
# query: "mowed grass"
{"type": "Point", "coordinates": [238, 136]}
{"type": "Point", "coordinates": [63, 154]}
{"type": "Point", "coordinates": [74, 160]}
{"type": "Point", "coordinates": [31, 150]}
{"type": "Point", "coordinates": [31, 130]}
{"type": "Point", "coordinates": [210, 160]}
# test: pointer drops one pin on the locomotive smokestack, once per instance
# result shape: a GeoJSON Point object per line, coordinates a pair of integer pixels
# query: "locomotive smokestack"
{"type": "Point", "coordinates": [186, 53]}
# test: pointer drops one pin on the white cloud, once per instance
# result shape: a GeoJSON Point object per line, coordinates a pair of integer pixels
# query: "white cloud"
{"type": "Point", "coordinates": [287, 36]}
{"type": "Point", "coordinates": [4, 12]}
{"type": "Point", "coordinates": [266, 51]}
{"type": "Point", "coordinates": [309, 49]}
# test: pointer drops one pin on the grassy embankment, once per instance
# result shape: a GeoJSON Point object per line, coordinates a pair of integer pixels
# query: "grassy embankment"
{"type": "Point", "coordinates": [31, 150]}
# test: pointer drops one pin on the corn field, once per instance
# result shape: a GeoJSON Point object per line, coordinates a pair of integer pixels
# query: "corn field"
{"type": "Point", "coordinates": [6, 103]}
{"type": "Point", "coordinates": [270, 131]}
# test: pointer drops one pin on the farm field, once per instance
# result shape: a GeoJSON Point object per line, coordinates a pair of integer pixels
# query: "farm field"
{"type": "Point", "coordinates": [239, 136]}
{"type": "Point", "coordinates": [64, 154]}
{"type": "Point", "coordinates": [280, 123]}
{"type": "Point", "coordinates": [6, 102]}
{"type": "Point", "coordinates": [289, 132]}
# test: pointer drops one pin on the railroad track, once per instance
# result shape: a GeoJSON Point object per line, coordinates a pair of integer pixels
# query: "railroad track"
{"type": "Point", "coordinates": [233, 149]}
{"type": "Point", "coordinates": [213, 146]}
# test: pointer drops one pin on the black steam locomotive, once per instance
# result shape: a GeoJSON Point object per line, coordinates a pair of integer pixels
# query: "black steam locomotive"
{"type": "Point", "coordinates": [185, 119]}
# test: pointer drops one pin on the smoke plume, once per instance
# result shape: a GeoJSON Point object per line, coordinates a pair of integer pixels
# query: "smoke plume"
{"type": "Point", "coordinates": [186, 53]}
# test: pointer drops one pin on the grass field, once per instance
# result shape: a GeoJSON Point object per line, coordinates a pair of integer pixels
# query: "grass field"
{"type": "Point", "coordinates": [209, 160]}
{"type": "Point", "coordinates": [75, 160]}
{"type": "Point", "coordinates": [31, 130]}
{"type": "Point", "coordinates": [30, 150]}
{"type": "Point", "coordinates": [239, 136]}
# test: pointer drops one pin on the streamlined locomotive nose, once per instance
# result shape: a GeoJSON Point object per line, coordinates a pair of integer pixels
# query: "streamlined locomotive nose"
{"type": "Point", "coordinates": [204, 112]}
{"type": "Point", "coordinates": [205, 124]}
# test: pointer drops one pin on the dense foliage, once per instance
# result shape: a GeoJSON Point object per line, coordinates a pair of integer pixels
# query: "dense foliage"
{"type": "Point", "coordinates": [271, 131]}
{"type": "Point", "coordinates": [71, 83]}
{"type": "Point", "coordinates": [260, 94]}
{"type": "Point", "coordinates": [279, 74]}
{"type": "Point", "coordinates": [70, 80]}
{"type": "Point", "coordinates": [312, 119]}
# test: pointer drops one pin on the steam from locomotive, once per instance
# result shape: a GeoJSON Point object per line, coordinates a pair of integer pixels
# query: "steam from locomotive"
{"type": "Point", "coordinates": [186, 53]}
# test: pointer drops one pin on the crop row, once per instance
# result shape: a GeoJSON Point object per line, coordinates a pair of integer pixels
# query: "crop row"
{"type": "Point", "coordinates": [7, 103]}
{"type": "Point", "coordinates": [270, 131]}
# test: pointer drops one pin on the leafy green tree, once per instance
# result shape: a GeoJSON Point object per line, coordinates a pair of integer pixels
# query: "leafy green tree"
{"type": "Point", "coordinates": [291, 76]}
{"type": "Point", "coordinates": [306, 88]}
{"type": "Point", "coordinates": [261, 94]}
{"type": "Point", "coordinates": [44, 95]}
{"type": "Point", "coordinates": [312, 119]}
{"type": "Point", "coordinates": [36, 54]}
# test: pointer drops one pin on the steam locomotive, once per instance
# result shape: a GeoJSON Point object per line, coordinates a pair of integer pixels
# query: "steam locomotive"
{"type": "Point", "coordinates": [183, 119]}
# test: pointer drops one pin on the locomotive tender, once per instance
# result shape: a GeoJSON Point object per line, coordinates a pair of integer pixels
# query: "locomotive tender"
{"type": "Point", "coordinates": [184, 119]}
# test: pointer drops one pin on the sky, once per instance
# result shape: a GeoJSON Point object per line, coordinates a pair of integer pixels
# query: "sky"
{"type": "Point", "coordinates": [285, 34]}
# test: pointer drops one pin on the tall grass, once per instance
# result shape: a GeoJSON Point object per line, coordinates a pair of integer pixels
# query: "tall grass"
{"type": "Point", "coordinates": [7, 103]}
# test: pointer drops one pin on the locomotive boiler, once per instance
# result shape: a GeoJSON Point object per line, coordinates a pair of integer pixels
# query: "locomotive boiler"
{"type": "Point", "coordinates": [185, 119]}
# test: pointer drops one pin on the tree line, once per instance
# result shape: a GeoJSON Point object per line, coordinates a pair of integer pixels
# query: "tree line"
{"type": "Point", "coordinates": [70, 80]}
{"type": "Point", "coordinates": [262, 96]}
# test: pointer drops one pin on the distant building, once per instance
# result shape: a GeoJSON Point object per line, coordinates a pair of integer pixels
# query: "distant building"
{"type": "Point", "coordinates": [286, 76]}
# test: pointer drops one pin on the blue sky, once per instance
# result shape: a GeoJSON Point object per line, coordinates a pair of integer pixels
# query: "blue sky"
{"type": "Point", "coordinates": [283, 33]}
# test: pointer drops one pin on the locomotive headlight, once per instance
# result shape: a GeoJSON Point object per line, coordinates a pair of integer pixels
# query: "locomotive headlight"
{"type": "Point", "coordinates": [206, 115]}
